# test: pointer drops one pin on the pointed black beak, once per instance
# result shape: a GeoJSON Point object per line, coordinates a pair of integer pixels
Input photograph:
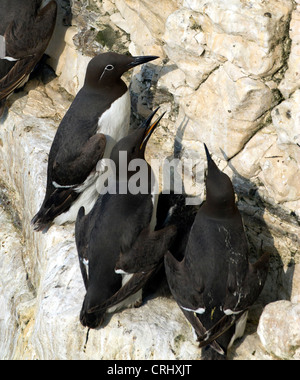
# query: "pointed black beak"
{"type": "Point", "coordinates": [141, 60]}
{"type": "Point", "coordinates": [150, 128]}
{"type": "Point", "coordinates": [211, 165]}
{"type": "Point", "coordinates": [208, 156]}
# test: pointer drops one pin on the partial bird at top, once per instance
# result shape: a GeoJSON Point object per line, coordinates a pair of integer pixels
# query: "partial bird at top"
{"type": "Point", "coordinates": [25, 31]}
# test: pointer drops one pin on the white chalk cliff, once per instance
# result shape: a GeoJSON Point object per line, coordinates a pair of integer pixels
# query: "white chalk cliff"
{"type": "Point", "coordinates": [229, 76]}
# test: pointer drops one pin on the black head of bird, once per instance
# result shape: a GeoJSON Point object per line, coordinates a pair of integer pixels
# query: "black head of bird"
{"type": "Point", "coordinates": [219, 190]}
{"type": "Point", "coordinates": [106, 69]}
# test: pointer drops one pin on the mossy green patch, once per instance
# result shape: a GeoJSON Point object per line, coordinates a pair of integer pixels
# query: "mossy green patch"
{"type": "Point", "coordinates": [107, 37]}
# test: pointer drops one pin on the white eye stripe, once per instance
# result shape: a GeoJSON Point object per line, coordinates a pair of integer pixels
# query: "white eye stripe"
{"type": "Point", "coordinates": [107, 68]}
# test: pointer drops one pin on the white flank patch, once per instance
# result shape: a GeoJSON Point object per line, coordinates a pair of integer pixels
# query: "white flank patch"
{"type": "Point", "coordinates": [129, 301]}
{"type": "Point", "coordinates": [239, 328]}
{"type": "Point", "coordinates": [230, 312]}
{"type": "Point", "coordinates": [87, 199]}
{"type": "Point", "coordinates": [198, 311]}
{"type": "Point", "coordinates": [3, 50]}
{"type": "Point", "coordinates": [57, 186]}
{"type": "Point", "coordinates": [11, 59]}
{"type": "Point", "coordinates": [25, 80]}
{"type": "Point", "coordinates": [2, 47]}
{"type": "Point", "coordinates": [154, 198]}
{"type": "Point", "coordinates": [126, 277]}
{"type": "Point", "coordinates": [120, 271]}
{"type": "Point", "coordinates": [194, 333]}
{"type": "Point", "coordinates": [171, 211]}
{"type": "Point", "coordinates": [86, 264]}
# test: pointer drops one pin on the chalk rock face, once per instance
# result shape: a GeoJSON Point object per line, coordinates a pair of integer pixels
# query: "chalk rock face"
{"type": "Point", "coordinates": [248, 34]}
{"type": "Point", "coordinates": [237, 114]}
{"type": "Point", "coordinates": [16, 295]}
{"type": "Point", "coordinates": [41, 289]}
{"type": "Point", "coordinates": [286, 118]}
{"type": "Point", "coordinates": [228, 75]}
{"type": "Point", "coordinates": [291, 80]}
{"type": "Point", "coordinates": [279, 329]}
{"type": "Point", "coordinates": [185, 45]}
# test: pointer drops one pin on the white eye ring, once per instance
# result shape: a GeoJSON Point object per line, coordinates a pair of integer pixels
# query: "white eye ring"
{"type": "Point", "coordinates": [109, 68]}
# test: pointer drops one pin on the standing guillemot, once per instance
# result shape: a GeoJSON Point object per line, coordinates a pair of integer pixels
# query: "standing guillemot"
{"type": "Point", "coordinates": [215, 284]}
{"type": "Point", "coordinates": [117, 246]}
{"type": "Point", "coordinates": [98, 118]}
{"type": "Point", "coordinates": [25, 32]}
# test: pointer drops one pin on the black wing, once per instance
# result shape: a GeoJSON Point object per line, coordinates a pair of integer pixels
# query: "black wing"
{"type": "Point", "coordinates": [21, 45]}
{"type": "Point", "coordinates": [59, 197]}
{"type": "Point", "coordinates": [59, 201]}
{"type": "Point", "coordinates": [147, 251]}
{"type": "Point", "coordinates": [188, 296]}
{"type": "Point", "coordinates": [16, 76]}
{"type": "Point", "coordinates": [31, 37]}
{"type": "Point", "coordinates": [137, 282]}
{"type": "Point", "coordinates": [239, 299]}
{"type": "Point", "coordinates": [74, 171]}
{"type": "Point", "coordinates": [186, 292]}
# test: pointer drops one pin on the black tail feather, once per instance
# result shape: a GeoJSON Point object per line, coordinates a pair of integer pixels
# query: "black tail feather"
{"type": "Point", "coordinates": [59, 202]}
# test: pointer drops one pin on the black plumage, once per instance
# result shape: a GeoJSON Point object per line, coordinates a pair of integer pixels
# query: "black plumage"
{"type": "Point", "coordinates": [27, 29]}
{"type": "Point", "coordinates": [215, 284]}
{"type": "Point", "coordinates": [117, 236]}
{"type": "Point", "coordinates": [86, 134]}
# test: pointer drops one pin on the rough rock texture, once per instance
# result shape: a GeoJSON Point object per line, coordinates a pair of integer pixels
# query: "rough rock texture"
{"type": "Point", "coordinates": [228, 76]}
{"type": "Point", "coordinates": [16, 295]}
{"type": "Point", "coordinates": [279, 329]}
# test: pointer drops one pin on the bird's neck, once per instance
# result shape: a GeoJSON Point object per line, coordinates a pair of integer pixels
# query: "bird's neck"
{"type": "Point", "coordinates": [219, 211]}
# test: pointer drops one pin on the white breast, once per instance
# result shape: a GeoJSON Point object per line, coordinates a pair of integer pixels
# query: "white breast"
{"type": "Point", "coordinates": [114, 123]}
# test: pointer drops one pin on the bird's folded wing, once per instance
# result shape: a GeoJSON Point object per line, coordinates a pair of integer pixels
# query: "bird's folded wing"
{"type": "Point", "coordinates": [187, 293]}
{"type": "Point", "coordinates": [74, 170]}
{"type": "Point", "coordinates": [238, 300]}
{"type": "Point", "coordinates": [66, 177]}
{"type": "Point", "coordinates": [16, 76]}
{"type": "Point", "coordinates": [188, 297]}
{"type": "Point", "coordinates": [240, 296]}
{"type": "Point", "coordinates": [147, 251]}
{"type": "Point", "coordinates": [136, 283]}
{"type": "Point", "coordinates": [24, 39]}
{"type": "Point", "coordinates": [58, 202]}
{"type": "Point", "coordinates": [26, 47]}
